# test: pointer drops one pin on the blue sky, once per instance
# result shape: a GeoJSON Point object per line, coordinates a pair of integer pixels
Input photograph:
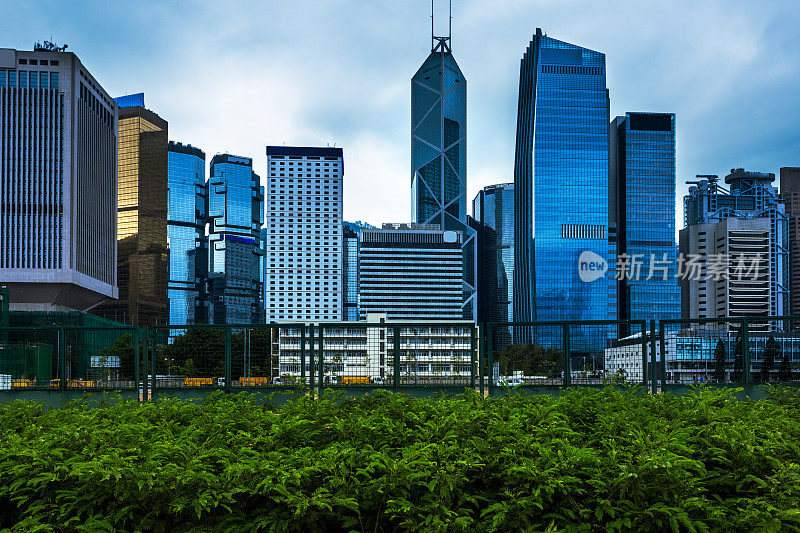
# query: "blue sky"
{"type": "Point", "coordinates": [237, 76]}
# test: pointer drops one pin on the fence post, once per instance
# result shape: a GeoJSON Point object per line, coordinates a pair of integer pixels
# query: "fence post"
{"type": "Point", "coordinates": [228, 355]}
{"type": "Point", "coordinates": [62, 347]}
{"type": "Point", "coordinates": [396, 360]}
{"type": "Point", "coordinates": [145, 368]}
{"type": "Point", "coordinates": [653, 365]}
{"type": "Point", "coordinates": [154, 336]}
{"type": "Point", "coordinates": [567, 380]}
{"type": "Point", "coordinates": [482, 356]}
{"type": "Point", "coordinates": [644, 353]}
{"type": "Point", "coordinates": [663, 341]}
{"type": "Point", "coordinates": [745, 351]}
{"type": "Point", "coordinates": [302, 354]}
{"type": "Point", "coordinates": [490, 359]}
{"type": "Point", "coordinates": [321, 358]}
{"type": "Point", "coordinates": [136, 359]}
{"type": "Point", "coordinates": [311, 361]}
{"type": "Point", "coordinates": [472, 355]}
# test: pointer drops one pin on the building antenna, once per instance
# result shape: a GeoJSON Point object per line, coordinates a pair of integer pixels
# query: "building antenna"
{"type": "Point", "coordinates": [432, 45]}
{"type": "Point", "coordinates": [450, 26]}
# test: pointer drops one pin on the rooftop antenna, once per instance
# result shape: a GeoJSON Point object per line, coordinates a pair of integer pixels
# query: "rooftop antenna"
{"type": "Point", "coordinates": [442, 42]}
{"type": "Point", "coordinates": [450, 25]}
{"type": "Point", "coordinates": [432, 41]}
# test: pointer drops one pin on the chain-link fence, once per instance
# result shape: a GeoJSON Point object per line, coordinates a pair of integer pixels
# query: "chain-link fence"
{"type": "Point", "coordinates": [415, 355]}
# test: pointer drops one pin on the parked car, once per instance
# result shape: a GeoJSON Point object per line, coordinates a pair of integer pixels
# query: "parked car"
{"type": "Point", "coordinates": [378, 381]}
{"type": "Point", "coordinates": [277, 380]}
{"type": "Point", "coordinates": [510, 382]}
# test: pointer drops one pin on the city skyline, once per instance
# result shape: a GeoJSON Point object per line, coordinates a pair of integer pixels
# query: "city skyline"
{"type": "Point", "coordinates": [275, 51]}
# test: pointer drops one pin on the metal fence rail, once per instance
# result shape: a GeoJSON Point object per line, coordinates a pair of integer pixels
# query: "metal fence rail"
{"type": "Point", "coordinates": [192, 360]}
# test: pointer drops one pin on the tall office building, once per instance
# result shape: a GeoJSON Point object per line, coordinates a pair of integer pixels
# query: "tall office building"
{"type": "Point", "coordinates": [762, 231]}
{"type": "Point", "coordinates": [187, 216]}
{"type": "Point", "coordinates": [304, 262]}
{"type": "Point", "coordinates": [141, 217]}
{"type": "Point", "coordinates": [58, 181]}
{"type": "Point", "coordinates": [350, 248]}
{"type": "Point", "coordinates": [411, 272]}
{"type": "Point", "coordinates": [641, 215]}
{"type": "Point", "coordinates": [494, 207]}
{"type": "Point", "coordinates": [236, 214]}
{"type": "Point", "coordinates": [790, 194]}
{"type": "Point", "coordinates": [439, 156]}
{"type": "Point", "coordinates": [560, 182]}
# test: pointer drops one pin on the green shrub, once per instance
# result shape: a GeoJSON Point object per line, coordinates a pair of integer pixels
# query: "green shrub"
{"type": "Point", "coordinates": [588, 460]}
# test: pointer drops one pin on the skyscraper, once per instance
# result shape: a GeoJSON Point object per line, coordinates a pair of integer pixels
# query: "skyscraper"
{"type": "Point", "coordinates": [410, 272]}
{"type": "Point", "coordinates": [350, 249]}
{"type": "Point", "coordinates": [304, 221]}
{"type": "Point", "coordinates": [494, 207]}
{"type": "Point", "coordinates": [747, 220]}
{"type": "Point", "coordinates": [141, 217]}
{"type": "Point", "coordinates": [236, 213]}
{"type": "Point", "coordinates": [187, 215]}
{"type": "Point", "coordinates": [58, 182]}
{"type": "Point", "coordinates": [439, 155]}
{"type": "Point", "coordinates": [642, 214]}
{"type": "Point", "coordinates": [790, 194]}
{"type": "Point", "coordinates": [560, 182]}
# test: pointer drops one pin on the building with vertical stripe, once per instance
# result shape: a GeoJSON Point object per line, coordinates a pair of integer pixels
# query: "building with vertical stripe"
{"type": "Point", "coordinates": [58, 182]}
{"type": "Point", "coordinates": [141, 217]}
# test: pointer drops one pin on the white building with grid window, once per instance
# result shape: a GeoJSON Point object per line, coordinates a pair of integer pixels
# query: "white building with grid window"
{"type": "Point", "coordinates": [58, 182]}
{"type": "Point", "coordinates": [431, 352]}
{"type": "Point", "coordinates": [303, 247]}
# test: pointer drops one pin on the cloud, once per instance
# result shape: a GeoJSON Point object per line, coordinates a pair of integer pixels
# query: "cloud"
{"type": "Point", "coordinates": [237, 76]}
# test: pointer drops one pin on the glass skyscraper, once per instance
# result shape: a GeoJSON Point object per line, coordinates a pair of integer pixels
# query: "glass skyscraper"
{"type": "Point", "coordinates": [141, 217]}
{"type": "Point", "coordinates": [439, 155]}
{"type": "Point", "coordinates": [494, 207]}
{"type": "Point", "coordinates": [236, 213]}
{"type": "Point", "coordinates": [561, 183]}
{"type": "Point", "coordinates": [350, 249]}
{"type": "Point", "coordinates": [187, 215]}
{"type": "Point", "coordinates": [642, 214]}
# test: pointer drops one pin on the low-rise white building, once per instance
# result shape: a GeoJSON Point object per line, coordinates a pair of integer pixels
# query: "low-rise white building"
{"type": "Point", "coordinates": [431, 352]}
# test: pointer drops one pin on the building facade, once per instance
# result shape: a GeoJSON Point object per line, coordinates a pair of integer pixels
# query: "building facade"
{"type": "Point", "coordinates": [363, 353]}
{"type": "Point", "coordinates": [439, 156]}
{"type": "Point", "coordinates": [411, 272]}
{"type": "Point", "coordinates": [141, 218]}
{"type": "Point", "coordinates": [561, 183]}
{"type": "Point", "coordinates": [641, 216]}
{"type": "Point", "coordinates": [58, 183]}
{"type": "Point", "coordinates": [142, 259]}
{"type": "Point", "coordinates": [350, 248]}
{"type": "Point", "coordinates": [750, 197]}
{"type": "Point", "coordinates": [304, 259]}
{"type": "Point", "coordinates": [790, 194]}
{"type": "Point", "coordinates": [236, 214]}
{"type": "Point", "coordinates": [187, 216]}
{"type": "Point", "coordinates": [734, 290]}
{"type": "Point", "coordinates": [494, 207]}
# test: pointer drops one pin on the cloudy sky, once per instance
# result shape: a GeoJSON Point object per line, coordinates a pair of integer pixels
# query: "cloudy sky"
{"type": "Point", "coordinates": [235, 76]}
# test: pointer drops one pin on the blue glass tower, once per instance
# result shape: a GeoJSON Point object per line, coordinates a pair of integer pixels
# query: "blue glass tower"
{"type": "Point", "coordinates": [560, 182]}
{"type": "Point", "coordinates": [494, 207]}
{"type": "Point", "coordinates": [236, 212]}
{"type": "Point", "coordinates": [187, 215]}
{"type": "Point", "coordinates": [439, 155]}
{"type": "Point", "coordinates": [642, 214]}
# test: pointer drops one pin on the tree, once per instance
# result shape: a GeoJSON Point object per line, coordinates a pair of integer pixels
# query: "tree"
{"type": "Point", "coordinates": [123, 351]}
{"type": "Point", "coordinates": [785, 370]}
{"type": "Point", "coordinates": [720, 358]}
{"type": "Point", "coordinates": [770, 353]}
{"type": "Point", "coordinates": [530, 359]}
{"type": "Point", "coordinates": [738, 363]}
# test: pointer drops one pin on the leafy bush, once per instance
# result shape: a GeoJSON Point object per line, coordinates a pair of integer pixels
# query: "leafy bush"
{"type": "Point", "coordinates": [588, 460]}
